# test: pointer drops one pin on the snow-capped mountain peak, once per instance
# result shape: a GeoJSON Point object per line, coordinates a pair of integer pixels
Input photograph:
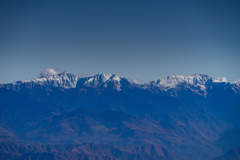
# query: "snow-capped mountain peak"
{"type": "Point", "coordinates": [64, 80]}
{"type": "Point", "coordinates": [196, 79]}
{"type": "Point", "coordinates": [67, 80]}
{"type": "Point", "coordinates": [96, 80]}
{"type": "Point", "coordinates": [172, 81]}
{"type": "Point", "coordinates": [100, 80]}
{"type": "Point", "coordinates": [197, 83]}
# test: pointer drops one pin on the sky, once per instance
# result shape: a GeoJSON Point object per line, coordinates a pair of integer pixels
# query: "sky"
{"type": "Point", "coordinates": [143, 39]}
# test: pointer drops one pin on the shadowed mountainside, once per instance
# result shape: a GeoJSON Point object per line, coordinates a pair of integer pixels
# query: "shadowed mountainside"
{"type": "Point", "coordinates": [16, 151]}
{"type": "Point", "coordinates": [232, 154]}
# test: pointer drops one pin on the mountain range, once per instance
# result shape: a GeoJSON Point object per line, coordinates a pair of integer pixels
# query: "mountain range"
{"type": "Point", "coordinates": [177, 117]}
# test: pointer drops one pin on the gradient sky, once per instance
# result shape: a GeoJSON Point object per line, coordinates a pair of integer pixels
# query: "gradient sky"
{"type": "Point", "coordinates": [147, 40]}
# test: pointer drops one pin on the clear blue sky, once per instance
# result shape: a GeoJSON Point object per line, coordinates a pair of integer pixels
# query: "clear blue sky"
{"type": "Point", "coordinates": [145, 39]}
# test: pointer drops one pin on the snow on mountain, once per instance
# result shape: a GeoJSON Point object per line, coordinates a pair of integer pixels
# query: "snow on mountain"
{"type": "Point", "coordinates": [68, 80]}
{"type": "Point", "coordinates": [236, 82]}
{"type": "Point", "coordinates": [196, 79]}
{"type": "Point", "coordinates": [98, 79]}
{"type": "Point", "coordinates": [172, 81]}
{"type": "Point", "coordinates": [236, 86]}
{"type": "Point", "coordinates": [64, 80]}
{"type": "Point", "coordinates": [196, 83]}
{"type": "Point", "coordinates": [101, 80]}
